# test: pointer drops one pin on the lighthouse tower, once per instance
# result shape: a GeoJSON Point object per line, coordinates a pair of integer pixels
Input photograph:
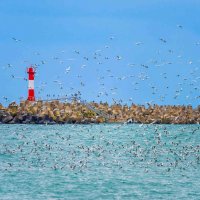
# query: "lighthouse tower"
{"type": "Point", "coordinates": [31, 92]}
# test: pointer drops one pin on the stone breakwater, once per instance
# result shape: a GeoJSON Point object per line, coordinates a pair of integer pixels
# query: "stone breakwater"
{"type": "Point", "coordinates": [56, 112]}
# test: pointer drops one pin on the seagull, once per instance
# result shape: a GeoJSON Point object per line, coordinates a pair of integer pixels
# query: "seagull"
{"type": "Point", "coordinates": [179, 26]}
{"type": "Point", "coordinates": [119, 57]}
{"type": "Point", "coordinates": [86, 58]}
{"type": "Point", "coordinates": [17, 77]}
{"type": "Point", "coordinates": [67, 70]}
{"type": "Point", "coordinates": [83, 66]}
{"type": "Point", "coordinates": [131, 65]}
{"type": "Point", "coordinates": [138, 43]}
{"type": "Point", "coordinates": [163, 40]}
{"type": "Point", "coordinates": [16, 40]}
{"type": "Point", "coordinates": [77, 52]}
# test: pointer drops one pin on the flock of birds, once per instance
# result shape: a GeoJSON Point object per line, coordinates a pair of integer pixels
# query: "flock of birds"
{"type": "Point", "coordinates": [108, 149]}
{"type": "Point", "coordinates": [77, 146]}
{"type": "Point", "coordinates": [121, 148]}
{"type": "Point", "coordinates": [73, 77]}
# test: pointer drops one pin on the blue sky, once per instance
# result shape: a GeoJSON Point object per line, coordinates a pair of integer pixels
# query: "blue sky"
{"type": "Point", "coordinates": [136, 65]}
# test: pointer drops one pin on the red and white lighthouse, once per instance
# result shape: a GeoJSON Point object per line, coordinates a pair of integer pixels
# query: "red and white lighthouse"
{"type": "Point", "coordinates": [31, 75]}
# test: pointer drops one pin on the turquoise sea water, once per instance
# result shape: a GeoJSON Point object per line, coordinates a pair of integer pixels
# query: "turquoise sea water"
{"type": "Point", "coordinates": [109, 161]}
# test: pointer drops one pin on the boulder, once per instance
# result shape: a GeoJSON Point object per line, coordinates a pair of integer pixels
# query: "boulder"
{"type": "Point", "coordinates": [85, 121]}
{"type": "Point", "coordinates": [45, 120]}
{"type": "Point", "coordinates": [27, 119]}
{"type": "Point", "coordinates": [7, 119]}
{"type": "Point", "coordinates": [18, 119]}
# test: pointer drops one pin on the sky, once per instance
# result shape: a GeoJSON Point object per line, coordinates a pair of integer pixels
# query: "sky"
{"type": "Point", "coordinates": [132, 51]}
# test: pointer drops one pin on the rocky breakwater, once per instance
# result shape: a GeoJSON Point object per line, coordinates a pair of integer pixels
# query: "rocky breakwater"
{"type": "Point", "coordinates": [155, 114]}
{"type": "Point", "coordinates": [56, 112]}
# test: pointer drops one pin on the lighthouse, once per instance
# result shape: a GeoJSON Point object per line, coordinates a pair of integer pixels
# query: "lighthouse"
{"type": "Point", "coordinates": [31, 75]}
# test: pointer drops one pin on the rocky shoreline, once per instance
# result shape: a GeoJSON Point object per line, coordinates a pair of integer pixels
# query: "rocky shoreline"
{"type": "Point", "coordinates": [56, 112]}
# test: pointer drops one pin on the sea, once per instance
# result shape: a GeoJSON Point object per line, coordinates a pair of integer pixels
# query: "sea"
{"type": "Point", "coordinates": [105, 161]}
